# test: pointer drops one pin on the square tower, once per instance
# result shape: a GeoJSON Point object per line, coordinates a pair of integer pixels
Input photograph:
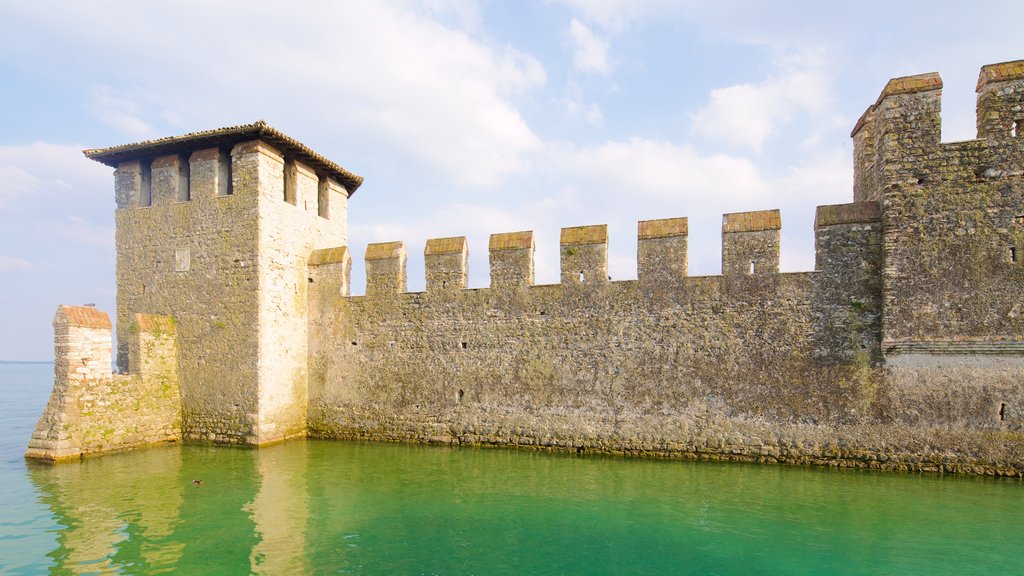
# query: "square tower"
{"type": "Point", "coordinates": [215, 229]}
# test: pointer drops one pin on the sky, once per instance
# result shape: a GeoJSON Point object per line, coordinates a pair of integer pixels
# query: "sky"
{"type": "Point", "coordinates": [466, 117]}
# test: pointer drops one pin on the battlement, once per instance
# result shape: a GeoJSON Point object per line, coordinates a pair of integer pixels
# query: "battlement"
{"type": "Point", "coordinates": [447, 261]}
{"type": "Point", "coordinates": [750, 247]}
{"type": "Point", "coordinates": [81, 416]}
{"type": "Point", "coordinates": [898, 138]}
{"type": "Point", "coordinates": [234, 279]}
{"type": "Point", "coordinates": [229, 174]}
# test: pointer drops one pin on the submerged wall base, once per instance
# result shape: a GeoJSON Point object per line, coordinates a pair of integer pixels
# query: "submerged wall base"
{"type": "Point", "coordinates": [862, 446]}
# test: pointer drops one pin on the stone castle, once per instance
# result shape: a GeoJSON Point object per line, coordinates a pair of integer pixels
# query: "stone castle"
{"type": "Point", "coordinates": [903, 349]}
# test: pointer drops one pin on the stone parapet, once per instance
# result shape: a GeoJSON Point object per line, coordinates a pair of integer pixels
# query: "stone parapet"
{"type": "Point", "coordinates": [385, 268]}
{"type": "Point", "coordinates": [584, 255]}
{"type": "Point", "coordinates": [511, 258]}
{"type": "Point", "coordinates": [447, 261]}
{"type": "Point", "coordinates": [661, 252]}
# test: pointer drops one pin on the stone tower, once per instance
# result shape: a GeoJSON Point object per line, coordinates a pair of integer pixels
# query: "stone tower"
{"type": "Point", "coordinates": [215, 230]}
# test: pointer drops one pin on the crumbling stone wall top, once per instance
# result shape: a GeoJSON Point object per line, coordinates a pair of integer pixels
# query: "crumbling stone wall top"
{"type": "Point", "coordinates": [911, 84]}
{"type": "Point", "coordinates": [663, 228]}
{"type": "Point", "coordinates": [752, 221]}
{"type": "Point", "coordinates": [511, 241]}
{"type": "Point", "coordinates": [453, 245]}
{"type": "Point", "coordinates": [596, 234]}
{"type": "Point", "coordinates": [384, 250]}
{"type": "Point", "coordinates": [153, 323]}
{"type": "Point", "coordinates": [855, 213]}
{"type": "Point", "coordinates": [82, 316]}
{"type": "Point", "coordinates": [1000, 72]}
{"type": "Point", "coordinates": [328, 256]}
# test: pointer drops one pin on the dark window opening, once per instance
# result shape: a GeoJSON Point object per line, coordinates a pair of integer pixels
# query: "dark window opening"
{"type": "Point", "coordinates": [1018, 129]}
{"type": "Point", "coordinates": [290, 184]}
{"type": "Point", "coordinates": [184, 183]}
{"type": "Point", "coordinates": [464, 345]}
{"type": "Point", "coordinates": [145, 184]}
{"type": "Point", "coordinates": [310, 279]}
{"type": "Point", "coordinates": [224, 185]}
{"type": "Point", "coordinates": [444, 283]}
{"type": "Point", "coordinates": [461, 394]}
{"type": "Point", "coordinates": [323, 194]}
{"type": "Point", "coordinates": [1013, 253]}
{"type": "Point", "coordinates": [354, 343]}
{"type": "Point", "coordinates": [1002, 411]}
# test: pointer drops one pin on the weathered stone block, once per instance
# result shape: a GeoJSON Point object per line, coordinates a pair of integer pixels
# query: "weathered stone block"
{"type": "Point", "coordinates": [511, 258]}
{"type": "Point", "coordinates": [584, 255]}
{"type": "Point", "coordinates": [447, 261]}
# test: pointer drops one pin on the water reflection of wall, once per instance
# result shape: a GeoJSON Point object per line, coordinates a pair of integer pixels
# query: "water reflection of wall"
{"type": "Point", "coordinates": [280, 510]}
{"type": "Point", "coordinates": [142, 512]}
{"type": "Point", "coordinates": [117, 513]}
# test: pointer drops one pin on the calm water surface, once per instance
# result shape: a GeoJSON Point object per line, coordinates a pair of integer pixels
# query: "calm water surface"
{"type": "Point", "coordinates": [344, 508]}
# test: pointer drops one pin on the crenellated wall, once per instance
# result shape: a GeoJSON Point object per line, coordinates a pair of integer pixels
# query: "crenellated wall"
{"type": "Point", "coordinates": [91, 410]}
{"type": "Point", "coordinates": [645, 365]}
{"type": "Point", "coordinates": [953, 213]}
{"type": "Point", "coordinates": [904, 348]}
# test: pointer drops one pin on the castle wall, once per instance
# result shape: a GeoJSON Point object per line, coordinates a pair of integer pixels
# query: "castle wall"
{"type": "Point", "coordinates": [92, 410]}
{"type": "Point", "coordinates": [904, 348]}
{"type": "Point", "coordinates": [312, 214]}
{"type": "Point", "coordinates": [626, 366]}
{"type": "Point", "coordinates": [953, 215]}
{"type": "Point", "coordinates": [197, 261]}
{"type": "Point", "coordinates": [750, 365]}
{"type": "Point", "coordinates": [222, 247]}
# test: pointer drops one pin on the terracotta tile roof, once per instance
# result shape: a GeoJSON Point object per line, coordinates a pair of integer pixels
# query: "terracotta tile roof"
{"type": "Point", "coordinates": [82, 316]}
{"type": "Point", "coordinates": [228, 136]}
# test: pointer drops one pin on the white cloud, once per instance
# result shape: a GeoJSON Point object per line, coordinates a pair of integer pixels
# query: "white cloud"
{"type": "Point", "coordinates": [47, 175]}
{"type": "Point", "coordinates": [615, 15]}
{"type": "Point", "coordinates": [421, 95]}
{"type": "Point", "coordinates": [578, 110]}
{"type": "Point", "coordinates": [80, 230]}
{"type": "Point", "coordinates": [121, 112]}
{"type": "Point", "coordinates": [749, 114]}
{"type": "Point", "coordinates": [466, 12]}
{"type": "Point", "coordinates": [590, 51]}
{"type": "Point", "coordinates": [657, 170]}
{"type": "Point", "coordinates": [8, 264]}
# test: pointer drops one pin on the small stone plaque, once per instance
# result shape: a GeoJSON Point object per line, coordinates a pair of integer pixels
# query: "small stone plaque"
{"type": "Point", "coordinates": [182, 260]}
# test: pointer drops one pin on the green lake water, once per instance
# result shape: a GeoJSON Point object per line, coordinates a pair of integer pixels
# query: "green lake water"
{"type": "Point", "coordinates": [350, 508]}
